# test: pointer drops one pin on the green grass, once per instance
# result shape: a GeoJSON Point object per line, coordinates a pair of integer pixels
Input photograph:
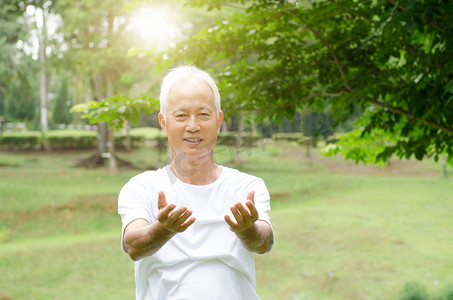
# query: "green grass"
{"type": "Point", "coordinates": [343, 231]}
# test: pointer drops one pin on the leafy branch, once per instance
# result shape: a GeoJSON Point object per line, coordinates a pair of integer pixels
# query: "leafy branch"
{"type": "Point", "coordinates": [116, 110]}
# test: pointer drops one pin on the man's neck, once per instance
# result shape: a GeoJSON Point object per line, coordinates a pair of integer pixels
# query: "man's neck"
{"type": "Point", "coordinates": [196, 171]}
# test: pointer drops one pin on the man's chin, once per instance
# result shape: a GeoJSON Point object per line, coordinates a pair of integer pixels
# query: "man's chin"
{"type": "Point", "coordinates": [196, 154]}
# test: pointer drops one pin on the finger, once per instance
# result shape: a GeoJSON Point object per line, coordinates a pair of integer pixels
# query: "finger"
{"type": "Point", "coordinates": [237, 214]}
{"type": "Point", "coordinates": [161, 202]}
{"type": "Point", "coordinates": [163, 214]}
{"type": "Point", "coordinates": [164, 207]}
{"type": "Point", "coordinates": [243, 211]}
{"type": "Point", "coordinates": [176, 214]}
{"type": "Point", "coordinates": [230, 222]}
{"type": "Point", "coordinates": [252, 210]}
{"type": "Point", "coordinates": [251, 196]}
{"type": "Point", "coordinates": [189, 222]}
{"type": "Point", "coordinates": [183, 217]}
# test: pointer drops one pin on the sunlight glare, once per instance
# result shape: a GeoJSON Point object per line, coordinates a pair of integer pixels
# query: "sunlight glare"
{"type": "Point", "coordinates": [154, 25]}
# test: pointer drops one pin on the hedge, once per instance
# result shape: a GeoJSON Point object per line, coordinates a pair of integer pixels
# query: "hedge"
{"type": "Point", "coordinates": [301, 138]}
{"type": "Point", "coordinates": [61, 139]}
{"type": "Point", "coordinates": [70, 139]}
{"type": "Point", "coordinates": [84, 139]}
{"type": "Point", "coordinates": [288, 137]}
{"type": "Point", "coordinates": [249, 139]}
{"type": "Point", "coordinates": [20, 140]}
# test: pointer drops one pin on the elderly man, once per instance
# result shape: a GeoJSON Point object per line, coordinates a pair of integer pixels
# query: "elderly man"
{"type": "Point", "coordinates": [193, 226]}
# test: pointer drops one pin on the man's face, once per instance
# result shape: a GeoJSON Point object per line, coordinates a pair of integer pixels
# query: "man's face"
{"type": "Point", "coordinates": [191, 124]}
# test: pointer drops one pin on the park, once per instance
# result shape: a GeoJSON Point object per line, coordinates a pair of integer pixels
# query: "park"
{"type": "Point", "coordinates": [344, 109]}
{"type": "Point", "coordinates": [343, 231]}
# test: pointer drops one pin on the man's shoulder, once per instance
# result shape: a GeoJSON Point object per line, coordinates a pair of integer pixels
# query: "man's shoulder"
{"type": "Point", "coordinates": [237, 175]}
{"type": "Point", "coordinates": [149, 176]}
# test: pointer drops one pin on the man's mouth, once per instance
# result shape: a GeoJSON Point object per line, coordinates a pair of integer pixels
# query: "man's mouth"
{"type": "Point", "coordinates": [193, 140]}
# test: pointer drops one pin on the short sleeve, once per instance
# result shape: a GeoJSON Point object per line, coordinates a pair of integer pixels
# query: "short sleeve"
{"type": "Point", "coordinates": [262, 199]}
{"type": "Point", "coordinates": [134, 203]}
{"type": "Point", "coordinates": [263, 204]}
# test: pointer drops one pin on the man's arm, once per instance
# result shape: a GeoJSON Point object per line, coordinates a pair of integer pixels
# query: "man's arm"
{"type": "Point", "coordinates": [256, 235]}
{"type": "Point", "coordinates": [142, 239]}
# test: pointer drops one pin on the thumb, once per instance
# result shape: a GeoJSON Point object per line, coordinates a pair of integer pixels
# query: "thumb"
{"type": "Point", "coordinates": [161, 203]}
{"type": "Point", "coordinates": [251, 196]}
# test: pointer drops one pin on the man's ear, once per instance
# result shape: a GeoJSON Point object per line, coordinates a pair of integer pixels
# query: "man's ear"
{"type": "Point", "coordinates": [162, 123]}
{"type": "Point", "coordinates": [220, 121]}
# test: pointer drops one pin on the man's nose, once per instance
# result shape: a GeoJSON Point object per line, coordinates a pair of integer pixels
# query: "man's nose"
{"type": "Point", "coordinates": [192, 124]}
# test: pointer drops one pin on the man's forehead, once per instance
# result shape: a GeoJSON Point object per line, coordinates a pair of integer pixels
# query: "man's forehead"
{"type": "Point", "coordinates": [191, 85]}
{"type": "Point", "coordinates": [189, 106]}
{"type": "Point", "coordinates": [185, 94]}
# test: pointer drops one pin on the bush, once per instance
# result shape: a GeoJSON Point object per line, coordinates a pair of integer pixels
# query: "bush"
{"type": "Point", "coordinates": [249, 139]}
{"type": "Point", "coordinates": [446, 294]}
{"type": "Point", "coordinates": [121, 141]}
{"type": "Point", "coordinates": [414, 291]}
{"type": "Point", "coordinates": [70, 139]}
{"type": "Point", "coordinates": [86, 139]}
{"type": "Point", "coordinates": [20, 140]}
{"type": "Point", "coordinates": [288, 137]}
{"type": "Point", "coordinates": [147, 132]}
{"type": "Point", "coordinates": [61, 140]}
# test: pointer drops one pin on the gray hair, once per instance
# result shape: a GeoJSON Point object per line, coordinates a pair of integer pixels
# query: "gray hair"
{"type": "Point", "coordinates": [176, 75]}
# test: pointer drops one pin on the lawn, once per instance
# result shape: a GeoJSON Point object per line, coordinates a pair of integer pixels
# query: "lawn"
{"type": "Point", "coordinates": [343, 231]}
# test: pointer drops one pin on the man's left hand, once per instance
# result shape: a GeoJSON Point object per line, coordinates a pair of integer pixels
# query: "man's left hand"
{"type": "Point", "coordinates": [245, 215]}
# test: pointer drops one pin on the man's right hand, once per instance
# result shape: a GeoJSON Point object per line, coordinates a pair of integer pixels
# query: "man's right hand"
{"type": "Point", "coordinates": [143, 239]}
{"type": "Point", "coordinates": [171, 218]}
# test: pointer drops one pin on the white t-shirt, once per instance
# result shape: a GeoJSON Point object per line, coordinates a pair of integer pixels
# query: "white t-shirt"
{"type": "Point", "coordinates": [207, 261]}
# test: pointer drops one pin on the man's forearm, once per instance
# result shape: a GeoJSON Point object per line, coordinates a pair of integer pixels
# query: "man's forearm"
{"type": "Point", "coordinates": [258, 238]}
{"type": "Point", "coordinates": [147, 240]}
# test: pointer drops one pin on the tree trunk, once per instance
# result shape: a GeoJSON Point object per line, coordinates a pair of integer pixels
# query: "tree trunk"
{"type": "Point", "coordinates": [44, 80]}
{"type": "Point", "coordinates": [112, 164]}
{"type": "Point", "coordinates": [127, 127]}
{"type": "Point", "coordinates": [238, 139]}
{"type": "Point", "coordinates": [102, 139]}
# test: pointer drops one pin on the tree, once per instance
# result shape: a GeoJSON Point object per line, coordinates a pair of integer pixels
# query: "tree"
{"type": "Point", "coordinates": [391, 61]}
{"type": "Point", "coordinates": [12, 31]}
{"type": "Point", "coordinates": [63, 103]}
{"type": "Point", "coordinates": [97, 42]}
{"type": "Point", "coordinates": [116, 111]}
{"type": "Point", "coordinates": [42, 11]}
{"type": "Point", "coordinates": [21, 96]}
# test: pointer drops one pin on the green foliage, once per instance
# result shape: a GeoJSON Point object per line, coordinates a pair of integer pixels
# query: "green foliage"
{"type": "Point", "coordinates": [414, 291]}
{"type": "Point", "coordinates": [21, 93]}
{"type": "Point", "coordinates": [359, 148]}
{"type": "Point", "coordinates": [288, 137]}
{"type": "Point", "coordinates": [248, 139]}
{"type": "Point", "coordinates": [62, 140]}
{"type": "Point", "coordinates": [116, 110]}
{"type": "Point", "coordinates": [11, 31]}
{"type": "Point", "coordinates": [317, 124]}
{"type": "Point", "coordinates": [147, 132]}
{"type": "Point", "coordinates": [446, 294]}
{"type": "Point", "coordinates": [63, 103]}
{"type": "Point", "coordinates": [70, 139]}
{"type": "Point", "coordinates": [121, 141]}
{"type": "Point", "coordinates": [20, 140]}
{"type": "Point", "coordinates": [390, 59]}
{"type": "Point", "coordinates": [99, 41]}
